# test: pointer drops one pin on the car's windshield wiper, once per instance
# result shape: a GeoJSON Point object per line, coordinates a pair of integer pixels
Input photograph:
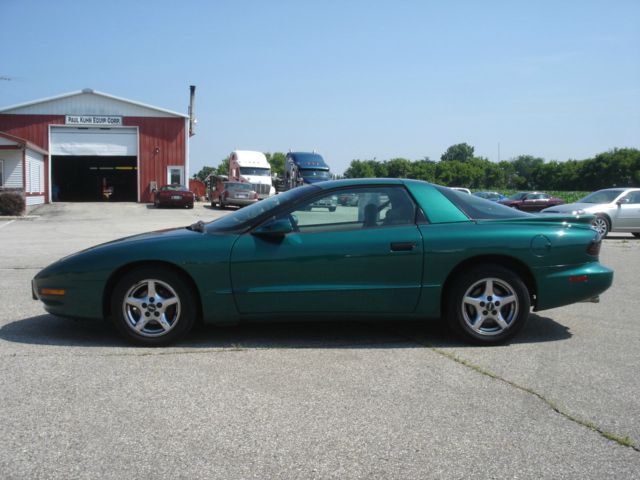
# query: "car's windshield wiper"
{"type": "Point", "coordinates": [197, 227]}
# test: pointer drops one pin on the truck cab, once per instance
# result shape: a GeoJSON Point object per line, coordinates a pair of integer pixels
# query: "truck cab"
{"type": "Point", "coordinates": [252, 167]}
{"type": "Point", "coordinates": [305, 168]}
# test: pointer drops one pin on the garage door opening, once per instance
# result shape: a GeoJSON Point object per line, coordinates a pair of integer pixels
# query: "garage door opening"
{"type": "Point", "coordinates": [93, 178]}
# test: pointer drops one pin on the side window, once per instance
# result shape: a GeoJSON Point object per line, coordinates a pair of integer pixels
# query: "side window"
{"type": "Point", "coordinates": [631, 197]}
{"type": "Point", "coordinates": [353, 209]}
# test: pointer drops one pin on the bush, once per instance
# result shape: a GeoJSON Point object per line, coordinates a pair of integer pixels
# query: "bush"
{"type": "Point", "coordinates": [12, 203]}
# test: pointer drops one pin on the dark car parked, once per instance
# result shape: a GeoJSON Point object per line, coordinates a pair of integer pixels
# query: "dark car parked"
{"type": "Point", "coordinates": [531, 201]}
{"type": "Point", "coordinates": [238, 194]}
{"type": "Point", "coordinates": [174, 195]}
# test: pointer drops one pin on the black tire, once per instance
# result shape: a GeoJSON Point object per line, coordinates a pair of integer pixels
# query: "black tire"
{"type": "Point", "coordinates": [602, 224]}
{"type": "Point", "coordinates": [170, 309]}
{"type": "Point", "coordinates": [332, 209]}
{"type": "Point", "coordinates": [473, 312]}
{"type": "Point", "coordinates": [636, 234]}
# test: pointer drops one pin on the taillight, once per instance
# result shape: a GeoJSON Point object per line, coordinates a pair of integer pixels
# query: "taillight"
{"type": "Point", "coordinates": [594, 247]}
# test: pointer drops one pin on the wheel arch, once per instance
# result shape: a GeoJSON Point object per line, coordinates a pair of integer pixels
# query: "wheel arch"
{"type": "Point", "coordinates": [123, 270]}
{"type": "Point", "coordinates": [511, 263]}
{"type": "Point", "coordinates": [606, 216]}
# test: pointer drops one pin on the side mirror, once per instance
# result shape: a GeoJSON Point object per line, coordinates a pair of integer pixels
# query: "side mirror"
{"type": "Point", "coordinates": [278, 227]}
{"type": "Point", "coordinates": [622, 201]}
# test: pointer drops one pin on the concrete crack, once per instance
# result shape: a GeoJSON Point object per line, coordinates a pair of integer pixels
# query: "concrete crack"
{"type": "Point", "coordinates": [623, 441]}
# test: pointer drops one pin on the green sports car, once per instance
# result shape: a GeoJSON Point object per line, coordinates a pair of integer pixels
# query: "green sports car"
{"type": "Point", "coordinates": [404, 249]}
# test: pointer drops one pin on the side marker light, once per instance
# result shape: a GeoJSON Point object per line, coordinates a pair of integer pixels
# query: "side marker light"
{"type": "Point", "coordinates": [52, 291]}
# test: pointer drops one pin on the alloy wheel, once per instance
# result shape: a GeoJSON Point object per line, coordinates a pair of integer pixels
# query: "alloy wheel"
{"type": "Point", "coordinates": [151, 308]}
{"type": "Point", "coordinates": [490, 306]}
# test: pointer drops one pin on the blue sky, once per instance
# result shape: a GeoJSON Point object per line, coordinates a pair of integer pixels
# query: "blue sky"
{"type": "Point", "coordinates": [350, 79]}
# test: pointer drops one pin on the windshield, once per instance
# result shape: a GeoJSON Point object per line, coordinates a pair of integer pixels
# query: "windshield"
{"type": "Point", "coordinates": [173, 188]}
{"type": "Point", "coordinates": [255, 171]}
{"type": "Point", "coordinates": [478, 208]}
{"type": "Point", "coordinates": [518, 196]}
{"type": "Point", "coordinates": [243, 217]}
{"type": "Point", "coordinates": [601, 196]}
{"type": "Point", "coordinates": [316, 174]}
{"type": "Point", "coordinates": [238, 186]}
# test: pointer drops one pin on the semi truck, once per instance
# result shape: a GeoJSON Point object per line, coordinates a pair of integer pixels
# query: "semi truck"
{"type": "Point", "coordinates": [302, 168]}
{"type": "Point", "coordinates": [252, 167]}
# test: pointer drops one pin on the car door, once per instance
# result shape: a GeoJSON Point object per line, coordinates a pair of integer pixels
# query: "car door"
{"type": "Point", "coordinates": [628, 217]}
{"type": "Point", "coordinates": [358, 258]}
{"type": "Point", "coordinates": [535, 202]}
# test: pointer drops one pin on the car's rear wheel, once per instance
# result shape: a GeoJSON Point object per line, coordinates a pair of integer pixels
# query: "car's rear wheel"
{"type": "Point", "coordinates": [487, 304]}
{"type": "Point", "coordinates": [601, 224]}
{"type": "Point", "coordinates": [152, 306]}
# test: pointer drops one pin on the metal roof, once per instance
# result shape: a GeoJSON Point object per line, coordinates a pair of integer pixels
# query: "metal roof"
{"type": "Point", "coordinates": [21, 142]}
{"type": "Point", "coordinates": [90, 91]}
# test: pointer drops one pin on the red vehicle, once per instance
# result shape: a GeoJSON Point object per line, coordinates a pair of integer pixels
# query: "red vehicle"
{"type": "Point", "coordinates": [531, 201]}
{"type": "Point", "coordinates": [173, 196]}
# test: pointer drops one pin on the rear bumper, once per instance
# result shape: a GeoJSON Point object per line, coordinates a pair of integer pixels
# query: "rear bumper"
{"type": "Point", "coordinates": [567, 285]}
{"type": "Point", "coordinates": [240, 202]}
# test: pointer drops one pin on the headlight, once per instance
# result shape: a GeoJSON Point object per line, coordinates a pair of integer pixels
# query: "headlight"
{"type": "Point", "coordinates": [578, 212]}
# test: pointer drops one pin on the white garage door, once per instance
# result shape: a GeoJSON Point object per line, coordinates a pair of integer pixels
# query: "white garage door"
{"type": "Point", "coordinates": [99, 142]}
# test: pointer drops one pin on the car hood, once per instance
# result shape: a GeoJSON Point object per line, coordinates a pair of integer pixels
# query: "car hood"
{"type": "Point", "coordinates": [569, 207]}
{"type": "Point", "coordinates": [127, 248]}
{"type": "Point", "coordinates": [168, 234]}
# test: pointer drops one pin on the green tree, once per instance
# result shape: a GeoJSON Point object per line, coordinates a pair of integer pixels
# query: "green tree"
{"type": "Point", "coordinates": [423, 170]}
{"type": "Point", "coordinates": [223, 168]}
{"type": "Point", "coordinates": [461, 152]}
{"type": "Point", "coordinates": [204, 173]}
{"type": "Point", "coordinates": [276, 160]}
{"type": "Point", "coordinates": [398, 168]}
{"type": "Point", "coordinates": [360, 169]}
{"type": "Point", "coordinates": [524, 166]}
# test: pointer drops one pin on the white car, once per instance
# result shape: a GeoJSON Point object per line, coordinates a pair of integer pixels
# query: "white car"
{"type": "Point", "coordinates": [616, 210]}
{"type": "Point", "coordinates": [461, 189]}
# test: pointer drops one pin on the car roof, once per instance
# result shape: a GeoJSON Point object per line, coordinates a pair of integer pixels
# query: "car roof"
{"type": "Point", "coordinates": [360, 182]}
{"type": "Point", "coordinates": [618, 189]}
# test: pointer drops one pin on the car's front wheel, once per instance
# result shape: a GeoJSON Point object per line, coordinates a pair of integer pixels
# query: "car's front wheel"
{"type": "Point", "coordinates": [601, 224]}
{"type": "Point", "coordinates": [152, 306]}
{"type": "Point", "coordinates": [487, 304]}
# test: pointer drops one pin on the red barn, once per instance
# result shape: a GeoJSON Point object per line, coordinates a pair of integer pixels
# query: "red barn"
{"type": "Point", "coordinates": [93, 143]}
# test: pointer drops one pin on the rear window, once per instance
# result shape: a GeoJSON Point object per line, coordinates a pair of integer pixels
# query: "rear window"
{"type": "Point", "coordinates": [174, 188]}
{"type": "Point", "coordinates": [601, 196]}
{"type": "Point", "coordinates": [477, 208]}
{"type": "Point", "coordinates": [239, 186]}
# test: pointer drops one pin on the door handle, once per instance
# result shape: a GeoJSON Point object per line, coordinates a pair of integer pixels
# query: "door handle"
{"type": "Point", "coordinates": [402, 246]}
